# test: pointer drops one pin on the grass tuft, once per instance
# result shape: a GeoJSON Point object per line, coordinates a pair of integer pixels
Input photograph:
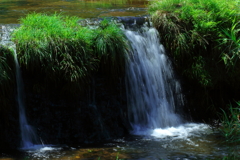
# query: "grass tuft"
{"type": "Point", "coordinates": [7, 82]}
{"type": "Point", "coordinates": [63, 52]}
{"type": "Point", "coordinates": [192, 28]}
{"type": "Point", "coordinates": [56, 45]}
{"type": "Point", "coordinates": [111, 47]}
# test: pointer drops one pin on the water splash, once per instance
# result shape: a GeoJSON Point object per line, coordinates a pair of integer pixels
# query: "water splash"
{"type": "Point", "coordinates": [153, 92]}
{"type": "Point", "coordinates": [28, 135]}
{"type": "Point", "coordinates": [45, 153]}
{"type": "Point", "coordinates": [183, 131]}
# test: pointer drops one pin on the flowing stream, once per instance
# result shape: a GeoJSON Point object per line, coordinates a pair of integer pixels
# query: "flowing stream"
{"type": "Point", "coordinates": [154, 101]}
{"type": "Point", "coordinates": [153, 92]}
{"type": "Point", "coordinates": [12, 11]}
{"type": "Point", "coordinates": [28, 136]}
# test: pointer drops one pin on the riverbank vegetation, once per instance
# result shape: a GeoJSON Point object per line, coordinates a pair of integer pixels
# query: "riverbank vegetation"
{"type": "Point", "coordinates": [68, 70]}
{"type": "Point", "coordinates": [63, 53]}
{"type": "Point", "coordinates": [7, 95]}
{"type": "Point", "coordinates": [202, 37]}
{"type": "Point", "coordinates": [7, 79]}
{"type": "Point", "coordinates": [229, 120]}
{"type": "Point", "coordinates": [230, 129]}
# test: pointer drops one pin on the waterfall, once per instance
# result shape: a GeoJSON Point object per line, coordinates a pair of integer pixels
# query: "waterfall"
{"type": "Point", "coordinates": [153, 94]}
{"type": "Point", "coordinates": [28, 136]}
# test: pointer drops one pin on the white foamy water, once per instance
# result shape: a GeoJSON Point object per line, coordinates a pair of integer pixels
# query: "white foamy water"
{"type": "Point", "coordinates": [28, 135]}
{"type": "Point", "coordinates": [183, 131]}
{"type": "Point", "coordinates": [45, 152]}
{"type": "Point", "coordinates": [153, 93]}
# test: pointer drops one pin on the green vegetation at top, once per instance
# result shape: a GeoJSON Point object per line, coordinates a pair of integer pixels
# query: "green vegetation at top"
{"type": "Point", "coordinates": [61, 50]}
{"type": "Point", "coordinates": [196, 29]}
{"type": "Point", "coordinates": [56, 45]}
{"type": "Point", "coordinates": [110, 46]}
{"type": "Point", "coordinates": [203, 37]}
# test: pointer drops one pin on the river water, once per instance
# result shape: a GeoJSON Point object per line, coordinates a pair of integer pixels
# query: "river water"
{"type": "Point", "coordinates": [199, 143]}
{"type": "Point", "coordinates": [12, 11]}
{"type": "Point", "coordinates": [168, 141]}
{"type": "Point", "coordinates": [178, 141]}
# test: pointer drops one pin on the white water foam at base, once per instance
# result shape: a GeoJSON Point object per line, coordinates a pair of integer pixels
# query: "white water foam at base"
{"type": "Point", "coordinates": [37, 147]}
{"type": "Point", "coordinates": [183, 131]}
{"type": "Point", "coordinates": [45, 152]}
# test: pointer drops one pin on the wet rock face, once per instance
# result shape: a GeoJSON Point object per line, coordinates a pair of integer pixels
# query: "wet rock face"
{"type": "Point", "coordinates": [9, 128]}
{"type": "Point", "coordinates": [84, 120]}
{"type": "Point", "coordinates": [127, 21]}
{"type": "Point", "coordinates": [97, 116]}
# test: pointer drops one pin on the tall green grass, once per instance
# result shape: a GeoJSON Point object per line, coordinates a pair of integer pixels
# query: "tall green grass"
{"type": "Point", "coordinates": [230, 126]}
{"type": "Point", "coordinates": [190, 30]}
{"type": "Point", "coordinates": [55, 45]}
{"type": "Point", "coordinates": [7, 81]}
{"type": "Point", "coordinates": [63, 52]}
{"type": "Point", "coordinates": [230, 38]}
{"type": "Point", "coordinates": [111, 46]}
{"type": "Point", "coordinates": [7, 70]}
{"type": "Point", "coordinates": [202, 37]}
{"type": "Point", "coordinates": [230, 130]}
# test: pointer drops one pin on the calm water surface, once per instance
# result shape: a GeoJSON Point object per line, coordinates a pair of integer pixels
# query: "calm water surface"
{"type": "Point", "coordinates": [12, 10]}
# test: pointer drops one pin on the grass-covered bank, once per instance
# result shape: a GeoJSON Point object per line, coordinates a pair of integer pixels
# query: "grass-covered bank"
{"type": "Point", "coordinates": [72, 75]}
{"type": "Point", "coordinates": [57, 50]}
{"type": "Point", "coordinates": [8, 109]}
{"type": "Point", "coordinates": [7, 80]}
{"type": "Point", "coordinates": [202, 37]}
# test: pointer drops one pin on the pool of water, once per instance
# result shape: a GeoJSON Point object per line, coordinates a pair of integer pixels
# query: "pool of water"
{"type": "Point", "coordinates": [189, 141]}
{"type": "Point", "coordinates": [12, 11]}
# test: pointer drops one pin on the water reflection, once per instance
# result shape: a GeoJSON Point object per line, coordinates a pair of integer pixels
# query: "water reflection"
{"type": "Point", "coordinates": [12, 11]}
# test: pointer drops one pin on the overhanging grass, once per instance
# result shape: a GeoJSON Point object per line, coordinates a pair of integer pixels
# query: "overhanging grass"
{"type": "Point", "coordinates": [111, 46]}
{"type": "Point", "coordinates": [7, 81]}
{"type": "Point", "coordinates": [202, 36]}
{"type": "Point", "coordinates": [61, 50]}
{"type": "Point", "coordinates": [194, 29]}
{"type": "Point", "coordinates": [7, 69]}
{"type": "Point", "coordinates": [56, 45]}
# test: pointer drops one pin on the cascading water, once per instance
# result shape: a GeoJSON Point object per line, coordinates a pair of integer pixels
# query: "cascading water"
{"type": "Point", "coordinates": [153, 92]}
{"type": "Point", "coordinates": [28, 136]}
{"type": "Point", "coordinates": [153, 97]}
